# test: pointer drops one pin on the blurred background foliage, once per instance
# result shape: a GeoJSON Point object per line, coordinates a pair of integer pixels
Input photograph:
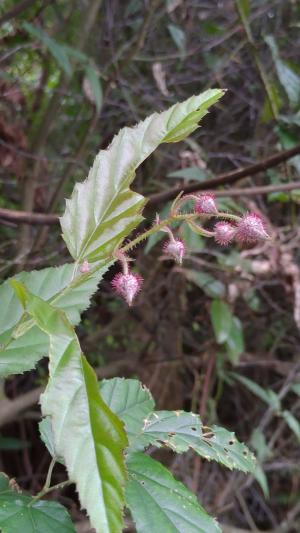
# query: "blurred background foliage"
{"type": "Point", "coordinates": [220, 335]}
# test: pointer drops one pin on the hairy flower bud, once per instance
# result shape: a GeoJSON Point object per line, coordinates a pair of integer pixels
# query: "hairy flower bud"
{"type": "Point", "coordinates": [224, 233]}
{"type": "Point", "coordinates": [85, 267]}
{"type": "Point", "coordinates": [251, 229]}
{"type": "Point", "coordinates": [205, 203]}
{"type": "Point", "coordinates": [127, 285]}
{"type": "Point", "coordinates": [175, 248]}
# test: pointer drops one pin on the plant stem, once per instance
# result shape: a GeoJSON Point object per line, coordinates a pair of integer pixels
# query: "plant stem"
{"type": "Point", "coordinates": [45, 491]}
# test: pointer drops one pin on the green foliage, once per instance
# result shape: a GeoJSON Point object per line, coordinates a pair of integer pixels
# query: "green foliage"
{"type": "Point", "coordinates": [22, 343]}
{"type": "Point", "coordinates": [78, 415]}
{"type": "Point", "coordinates": [287, 75]}
{"type": "Point", "coordinates": [228, 329]}
{"type": "Point", "coordinates": [20, 513]}
{"type": "Point", "coordinates": [103, 209]}
{"type": "Point", "coordinates": [56, 50]}
{"type": "Point", "coordinates": [177, 430]}
{"type": "Point", "coordinates": [160, 503]}
{"type": "Point", "coordinates": [221, 318]}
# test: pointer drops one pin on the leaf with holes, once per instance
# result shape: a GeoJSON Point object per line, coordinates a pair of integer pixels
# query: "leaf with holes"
{"type": "Point", "coordinates": [103, 209]}
{"type": "Point", "coordinates": [174, 429]}
{"type": "Point", "coordinates": [79, 417]}
{"type": "Point", "coordinates": [177, 430]}
{"type": "Point", "coordinates": [159, 503]}
{"type": "Point", "coordinates": [22, 343]}
{"type": "Point", "coordinates": [20, 513]}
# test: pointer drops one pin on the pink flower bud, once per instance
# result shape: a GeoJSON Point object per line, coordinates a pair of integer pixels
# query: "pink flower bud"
{"type": "Point", "coordinates": [127, 285]}
{"type": "Point", "coordinates": [224, 233]}
{"type": "Point", "coordinates": [205, 203]}
{"type": "Point", "coordinates": [175, 248]}
{"type": "Point", "coordinates": [251, 229]}
{"type": "Point", "coordinates": [85, 267]}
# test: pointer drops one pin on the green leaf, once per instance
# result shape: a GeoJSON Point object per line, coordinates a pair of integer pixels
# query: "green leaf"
{"type": "Point", "coordinates": [262, 480]}
{"type": "Point", "coordinates": [287, 76]}
{"type": "Point", "coordinates": [94, 86]}
{"type": "Point", "coordinates": [235, 342]}
{"type": "Point", "coordinates": [159, 503]}
{"type": "Point", "coordinates": [266, 395]}
{"type": "Point", "coordinates": [87, 435]}
{"type": "Point", "coordinates": [128, 399]}
{"type": "Point", "coordinates": [292, 422]}
{"type": "Point", "coordinates": [191, 173]}
{"type": "Point", "coordinates": [258, 442]}
{"type": "Point", "coordinates": [58, 51]}
{"type": "Point", "coordinates": [178, 37]}
{"type": "Point", "coordinates": [20, 513]}
{"type": "Point", "coordinates": [177, 430]}
{"type": "Point", "coordinates": [222, 446]}
{"type": "Point", "coordinates": [46, 432]}
{"type": "Point", "coordinates": [221, 318]}
{"type": "Point", "coordinates": [103, 210]}
{"type": "Point", "coordinates": [22, 343]}
{"type": "Point", "coordinates": [210, 285]}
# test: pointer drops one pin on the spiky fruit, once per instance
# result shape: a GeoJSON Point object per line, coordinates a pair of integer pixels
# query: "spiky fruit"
{"type": "Point", "coordinates": [206, 204]}
{"type": "Point", "coordinates": [224, 233]}
{"type": "Point", "coordinates": [251, 228]}
{"type": "Point", "coordinates": [127, 285]}
{"type": "Point", "coordinates": [175, 248]}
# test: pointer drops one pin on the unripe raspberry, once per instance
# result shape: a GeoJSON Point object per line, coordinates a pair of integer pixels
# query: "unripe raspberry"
{"type": "Point", "coordinates": [205, 203]}
{"type": "Point", "coordinates": [127, 285]}
{"type": "Point", "coordinates": [224, 233]}
{"type": "Point", "coordinates": [175, 248]}
{"type": "Point", "coordinates": [251, 228]}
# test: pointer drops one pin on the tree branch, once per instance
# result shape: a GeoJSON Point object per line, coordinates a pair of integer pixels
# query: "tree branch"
{"type": "Point", "coordinates": [226, 178]}
{"type": "Point", "coordinates": [24, 217]}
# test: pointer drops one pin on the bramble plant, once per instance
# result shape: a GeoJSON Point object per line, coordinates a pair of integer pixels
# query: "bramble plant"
{"type": "Point", "coordinates": [100, 431]}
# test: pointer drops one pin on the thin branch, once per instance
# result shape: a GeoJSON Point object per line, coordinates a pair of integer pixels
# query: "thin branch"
{"type": "Point", "coordinates": [226, 178]}
{"type": "Point", "coordinates": [25, 217]}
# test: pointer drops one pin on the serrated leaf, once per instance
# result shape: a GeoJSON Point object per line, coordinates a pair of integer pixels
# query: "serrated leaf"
{"type": "Point", "coordinates": [103, 209]}
{"type": "Point", "coordinates": [159, 503]}
{"type": "Point", "coordinates": [57, 50]}
{"type": "Point", "coordinates": [87, 435]}
{"type": "Point", "coordinates": [22, 343]}
{"type": "Point", "coordinates": [221, 318]}
{"type": "Point", "coordinates": [222, 446]}
{"type": "Point", "coordinates": [128, 399]}
{"type": "Point", "coordinates": [175, 429]}
{"type": "Point", "coordinates": [20, 513]}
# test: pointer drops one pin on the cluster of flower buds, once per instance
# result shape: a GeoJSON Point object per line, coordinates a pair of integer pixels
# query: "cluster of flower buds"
{"type": "Point", "coordinates": [250, 228]}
